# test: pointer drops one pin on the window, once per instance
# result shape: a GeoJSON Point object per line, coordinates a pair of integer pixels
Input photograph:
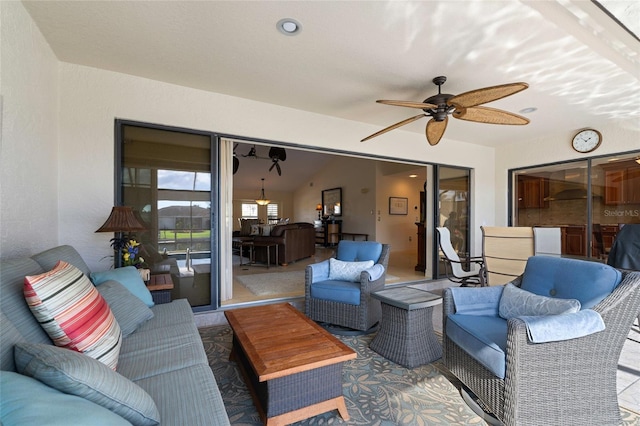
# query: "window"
{"type": "Point", "coordinates": [249, 211]}
{"type": "Point", "coordinates": [272, 212]}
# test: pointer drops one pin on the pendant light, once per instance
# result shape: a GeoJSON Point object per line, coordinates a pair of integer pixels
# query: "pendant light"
{"type": "Point", "coordinates": [262, 201]}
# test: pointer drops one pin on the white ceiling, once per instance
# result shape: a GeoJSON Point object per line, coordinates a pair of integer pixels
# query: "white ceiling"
{"type": "Point", "coordinates": [583, 69]}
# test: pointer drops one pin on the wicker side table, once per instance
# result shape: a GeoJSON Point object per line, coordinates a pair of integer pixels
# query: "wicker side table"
{"type": "Point", "coordinates": [406, 334]}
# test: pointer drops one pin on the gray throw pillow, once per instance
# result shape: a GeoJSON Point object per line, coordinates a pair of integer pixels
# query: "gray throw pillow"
{"type": "Point", "coordinates": [347, 271]}
{"type": "Point", "coordinates": [78, 374]}
{"type": "Point", "coordinates": [130, 311]}
{"type": "Point", "coordinates": [516, 302]}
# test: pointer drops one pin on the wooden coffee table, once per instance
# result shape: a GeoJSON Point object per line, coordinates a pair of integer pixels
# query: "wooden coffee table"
{"type": "Point", "coordinates": [292, 367]}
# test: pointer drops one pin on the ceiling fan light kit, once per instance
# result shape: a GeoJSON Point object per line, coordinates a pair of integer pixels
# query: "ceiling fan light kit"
{"type": "Point", "coordinates": [465, 106]}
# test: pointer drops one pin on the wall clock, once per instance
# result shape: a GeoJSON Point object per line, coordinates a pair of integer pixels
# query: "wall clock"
{"type": "Point", "coordinates": [586, 140]}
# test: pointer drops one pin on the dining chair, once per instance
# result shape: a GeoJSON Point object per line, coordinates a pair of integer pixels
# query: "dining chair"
{"type": "Point", "coordinates": [454, 269]}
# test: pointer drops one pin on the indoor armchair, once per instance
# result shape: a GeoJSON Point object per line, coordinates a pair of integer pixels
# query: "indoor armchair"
{"type": "Point", "coordinates": [334, 297]}
{"type": "Point", "coordinates": [555, 361]}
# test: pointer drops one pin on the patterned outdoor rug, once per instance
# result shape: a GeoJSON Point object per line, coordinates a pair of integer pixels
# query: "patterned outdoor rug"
{"type": "Point", "coordinates": [377, 391]}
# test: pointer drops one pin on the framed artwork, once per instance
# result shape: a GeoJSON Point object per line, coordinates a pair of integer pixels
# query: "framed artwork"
{"type": "Point", "coordinates": [332, 202]}
{"type": "Point", "coordinates": [398, 205]}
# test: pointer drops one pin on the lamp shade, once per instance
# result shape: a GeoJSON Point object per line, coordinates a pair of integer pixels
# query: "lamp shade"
{"type": "Point", "coordinates": [319, 207]}
{"type": "Point", "coordinates": [121, 219]}
{"type": "Point", "coordinates": [262, 201]}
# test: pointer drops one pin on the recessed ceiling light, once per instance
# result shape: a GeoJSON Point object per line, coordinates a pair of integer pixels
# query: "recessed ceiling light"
{"type": "Point", "coordinates": [528, 110]}
{"type": "Point", "coordinates": [288, 26]}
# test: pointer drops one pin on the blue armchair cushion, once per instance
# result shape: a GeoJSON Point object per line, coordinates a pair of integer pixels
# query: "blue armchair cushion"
{"type": "Point", "coordinates": [337, 291]}
{"type": "Point", "coordinates": [553, 328]}
{"type": "Point", "coordinates": [347, 271]}
{"type": "Point", "coordinates": [589, 282]}
{"type": "Point", "coordinates": [354, 251]}
{"type": "Point", "coordinates": [27, 401]}
{"type": "Point", "coordinates": [516, 302]}
{"type": "Point", "coordinates": [477, 301]}
{"type": "Point", "coordinates": [482, 337]}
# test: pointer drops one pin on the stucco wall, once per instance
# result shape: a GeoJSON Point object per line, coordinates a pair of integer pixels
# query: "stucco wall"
{"type": "Point", "coordinates": [29, 147]}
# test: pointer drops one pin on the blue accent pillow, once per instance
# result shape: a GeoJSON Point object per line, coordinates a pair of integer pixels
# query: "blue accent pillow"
{"type": "Point", "coordinates": [516, 302]}
{"type": "Point", "coordinates": [128, 277]}
{"type": "Point", "coordinates": [78, 374]}
{"type": "Point", "coordinates": [27, 401]}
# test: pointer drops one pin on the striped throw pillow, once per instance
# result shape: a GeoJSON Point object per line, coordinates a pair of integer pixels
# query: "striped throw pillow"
{"type": "Point", "coordinates": [73, 313]}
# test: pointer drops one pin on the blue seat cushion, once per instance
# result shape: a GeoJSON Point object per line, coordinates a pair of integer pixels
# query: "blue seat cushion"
{"type": "Point", "coordinates": [337, 291]}
{"type": "Point", "coordinates": [358, 251]}
{"type": "Point", "coordinates": [589, 282]}
{"type": "Point", "coordinates": [482, 337]}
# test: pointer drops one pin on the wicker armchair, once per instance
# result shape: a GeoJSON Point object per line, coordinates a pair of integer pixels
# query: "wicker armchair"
{"type": "Point", "coordinates": [567, 382]}
{"type": "Point", "coordinates": [363, 316]}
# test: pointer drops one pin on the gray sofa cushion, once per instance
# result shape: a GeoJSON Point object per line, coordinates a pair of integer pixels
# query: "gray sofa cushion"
{"type": "Point", "coordinates": [168, 314]}
{"type": "Point", "coordinates": [130, 311]}
{"type": "Point", "coordinates": [48, 259]}
{"type": "Point", "coordinates": [12, 302]}
{"type": "Point", "coordinates": [192, 399]}
{"type": "Point", "coordinates": [174, 348]}
{"type": "Point", "coordinates": [31, 402]}
{"type": "Point", "coordinates": [9, 336]}
{"type": "Point", "coordinates": [77, 374]}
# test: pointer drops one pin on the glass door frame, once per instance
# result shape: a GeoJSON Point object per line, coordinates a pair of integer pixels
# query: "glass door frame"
{"type": "Point", "coordinates": [119, 126]}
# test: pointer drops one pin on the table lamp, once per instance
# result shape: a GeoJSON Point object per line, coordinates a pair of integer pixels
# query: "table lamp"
{"type": "Point", "coordinates": [121, 220]}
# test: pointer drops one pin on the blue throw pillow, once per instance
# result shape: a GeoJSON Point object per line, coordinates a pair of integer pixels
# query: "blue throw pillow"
{"type": "Point", "coordinates": [28, 401]}
{"type": "Point", "coordinates": [78, 374]}
{"type": "Point", "coordinates": [128, 277]}
{"type": "Point", "coordinates": [516, 302]}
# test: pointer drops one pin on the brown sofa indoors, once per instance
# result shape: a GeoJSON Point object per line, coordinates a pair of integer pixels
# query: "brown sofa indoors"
{"type": "Point", "coordinates": [295, 241]}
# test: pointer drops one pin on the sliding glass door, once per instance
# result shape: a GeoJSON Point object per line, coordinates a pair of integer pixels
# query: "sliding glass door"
{"type": "Point", "coordinates": [166, 177]}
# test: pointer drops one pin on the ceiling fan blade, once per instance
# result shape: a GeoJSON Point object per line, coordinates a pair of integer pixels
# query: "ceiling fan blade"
{"type": "Point", "coordinates": [278, 169]}
{"type": "Point", "coordinates": [489, 115]}
{"type": "Point", "coordinates": [435, 130]}
{"type": "Point", "coordinates": [273, 165]}
{"type": "Point", "coordinates": [409, 104]}
{"type": "Point", "coordinates": [393, 126]}
{"type": "Point", "coordinates": [487, 94]}
{"type": "Point", "coordinates": [236, 164]}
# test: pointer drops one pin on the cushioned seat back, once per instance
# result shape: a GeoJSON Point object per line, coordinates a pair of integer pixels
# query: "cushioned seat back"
{"type": "Point", "coordinates": [358, 251]}
{"type": "Point", "coordinates": [12, 303]}
{"type": "Point", "coordinates": [589, 282]}
{"type": "Point", "coordinates": [49, 258]}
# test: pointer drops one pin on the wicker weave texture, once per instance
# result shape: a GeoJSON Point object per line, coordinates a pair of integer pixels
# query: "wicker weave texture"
{"type": "Point", "coordinates": [358, 317]}
{"type": "Point", "coordinates": [571, 382]}
{"type": "Point", "coordinates": [406, 337]}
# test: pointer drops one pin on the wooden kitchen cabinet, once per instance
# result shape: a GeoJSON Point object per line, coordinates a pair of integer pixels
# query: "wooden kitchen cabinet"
{"type": "Point", "coordinates": [532, 192]}
{"type": "Point", "coordinates": [573, 240]}
{"type": "Point", "coordinates": [622, 184]}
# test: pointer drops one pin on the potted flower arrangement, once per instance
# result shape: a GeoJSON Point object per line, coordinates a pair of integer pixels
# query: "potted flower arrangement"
{"type": "Point", "coordinates": [130, 258]}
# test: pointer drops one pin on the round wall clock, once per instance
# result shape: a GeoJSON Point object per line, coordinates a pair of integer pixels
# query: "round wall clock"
{"type": "Point", "coordinates": [586, 140]}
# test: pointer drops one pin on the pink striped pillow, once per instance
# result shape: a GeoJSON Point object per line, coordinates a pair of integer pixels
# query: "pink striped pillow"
{"type": "Point", "coordinates": [73, 313]}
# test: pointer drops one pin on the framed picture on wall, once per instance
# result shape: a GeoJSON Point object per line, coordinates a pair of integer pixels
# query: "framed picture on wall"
{"type": "Point", "coordinates": [398, 205]}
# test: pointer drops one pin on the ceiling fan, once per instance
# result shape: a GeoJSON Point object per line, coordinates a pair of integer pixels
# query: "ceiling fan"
{"type": "Point", "coordinates": [276, 154]}
{"type": "Point", "coordinates": [465, 106]}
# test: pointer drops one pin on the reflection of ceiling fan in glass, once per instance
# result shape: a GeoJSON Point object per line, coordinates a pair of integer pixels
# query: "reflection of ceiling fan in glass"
{"type": "Point", "coordinates": [465, 106]}
{"type": "Point", "coordinates": [276, 154]}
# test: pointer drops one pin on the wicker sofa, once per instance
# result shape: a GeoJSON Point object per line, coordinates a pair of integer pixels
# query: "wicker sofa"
{"type": "Point", "coordinates": [567, 378]}
{"type": "Point", "coordinates": [162, 354]}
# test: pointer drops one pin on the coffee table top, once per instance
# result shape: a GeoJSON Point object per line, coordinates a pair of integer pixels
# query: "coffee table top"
{"type": "Point", "coordinates": [279, 340]}
{"type": "Point", "coordinates": [408, 298]}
